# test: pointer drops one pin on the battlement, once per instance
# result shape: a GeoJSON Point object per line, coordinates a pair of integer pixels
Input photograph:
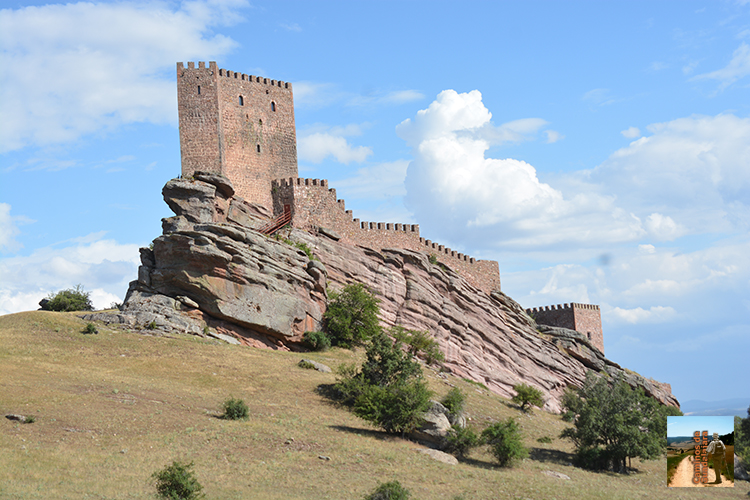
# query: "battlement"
{"type": "Point", "coordinates": [313, 204]}
{"type": "Point", "coordinates": [583, 318]}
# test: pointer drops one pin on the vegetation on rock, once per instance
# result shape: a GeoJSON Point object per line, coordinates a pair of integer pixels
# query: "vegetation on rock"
{"type": "Point", "coordinates": [318, 341]}
{"type": "Point", "coordinates": [352, 316]}
{"type": "Point", "coordinates": [527, 396]}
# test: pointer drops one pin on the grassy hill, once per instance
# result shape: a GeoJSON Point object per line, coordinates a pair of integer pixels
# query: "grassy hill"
{"type": "Point", "coordinates": [114, 407]}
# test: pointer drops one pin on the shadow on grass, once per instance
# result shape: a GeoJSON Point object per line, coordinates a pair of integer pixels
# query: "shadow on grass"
{"type": "Point", "coordinates": [479, 463]}
{"type": "Point", "coordinates": [552, 456]}
{"type": "Point", "coordinates": [329, 392]}
{"type": "Point", "coordinates": [359, 431]}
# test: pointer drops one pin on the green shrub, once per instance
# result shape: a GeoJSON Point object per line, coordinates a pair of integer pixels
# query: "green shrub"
{"type": "Point", "coordinates": [352, 316]}
{"type": "Point", "coordinates": [388, 389]}
{"type": "Point", "coordinates": [527, 396]}
{"type": "Point", "coordinates": [460, 440]}
{"type": "Point", "coordinates": [306, 249]}
{"type": "Point", "coordinates": [397, 408]}
{"type": "Point", "coordinates": [30, 419]}
{"type": "Point", "coordinates": [419, 343]}
{"type": "Point", "coordinates": [504, 439]}
{"type": "Point", "coordinates": [235, 409]}
{"type": "Point", "coordinates": [570, 403]}
{"type": "Point", "coordinates": [454, 401]}
{"type": "Point", "coordinates": [433, 259]}
{"type": "Point", "coordinates": [306, 365]}
{"type": "Point", "coordinates": [389, 491]}
{"type": "Point", "coordinates": [151, 326]}
{"type": "Point", "coordinates": [177, 482]}
{"type": "Point", "coordinates": [478, 384]}
{"type": "Point", "coordinates": [73, 299]}
{"type": "Point", "coordinates": [544, 439]}
{"type": "Point", "coordinates": [319, 341]}
{"type": "Point", "coordinates": [90, 328]}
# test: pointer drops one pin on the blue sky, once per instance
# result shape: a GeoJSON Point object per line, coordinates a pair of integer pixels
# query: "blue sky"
{"type": "Point", "coordinates": [598, 150]}
{"type": "Point", "coordinates": [686, 426]}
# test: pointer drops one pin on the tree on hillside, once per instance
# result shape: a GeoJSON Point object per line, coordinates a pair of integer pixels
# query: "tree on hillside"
{"type": "Point", "coordinates": [527, 396]}
{"type": "Point", "coordinates": [742, 437]}
{"type": "Point", "coordinates": [613, 423]}
{"type": "Point", "coordinates": [72, 299]}
{"type": "Point", "coordinates": [352, 316]}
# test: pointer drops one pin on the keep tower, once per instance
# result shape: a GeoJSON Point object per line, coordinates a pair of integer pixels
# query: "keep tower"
{"type": "Point", "coordinates": [237, 125]}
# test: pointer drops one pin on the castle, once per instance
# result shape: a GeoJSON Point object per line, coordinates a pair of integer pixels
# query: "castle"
{"type": "Point", "coordinates": [242, 127]}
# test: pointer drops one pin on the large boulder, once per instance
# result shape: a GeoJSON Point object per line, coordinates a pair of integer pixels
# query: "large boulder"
{"type": "Point", "coordinates": [435, 425]}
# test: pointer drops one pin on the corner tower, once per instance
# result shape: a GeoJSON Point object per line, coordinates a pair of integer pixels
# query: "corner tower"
{"type": "Point", "coordinates": [237, 125]}
{"type": "Point", "coordinates": [583, 318]}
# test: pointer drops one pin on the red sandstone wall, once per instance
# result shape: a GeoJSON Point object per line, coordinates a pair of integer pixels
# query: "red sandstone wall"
{"type": "Point", "coordinates": [253, 140]}
{"type": "Point", "coordinates": [199, 118]}
{"type": "Point", "coordinates": [314, 205]}
{"type": "Point", "coordinates": [583, 318]}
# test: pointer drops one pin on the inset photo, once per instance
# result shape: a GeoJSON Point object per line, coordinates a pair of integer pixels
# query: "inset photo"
{"type": "Point", "coordinates": [700, 452]}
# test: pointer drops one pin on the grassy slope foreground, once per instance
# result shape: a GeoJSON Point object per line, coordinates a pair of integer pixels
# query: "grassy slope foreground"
{"type": "Point", "coordinates": [112, 408]}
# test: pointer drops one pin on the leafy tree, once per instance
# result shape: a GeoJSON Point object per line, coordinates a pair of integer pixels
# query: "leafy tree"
{"type": "Point", "coordinates": [614, 422]}
{"type": "Point", "coordinates": [526, 396]}
{"type": "Point", "coordinates": [505, 443]}
{"type": "Point", "coordinates": [352, 316]}
{"type": "Point", "coordinates": [72, 299]}
{"type": "Point", "coordinates": [419, 343]}
{"type": "Point", "coordinates": [319, 341]}
{"type": "Point", "coordinates": [742, 437]}
{"type": "Point", "coordinates": [388, 389]}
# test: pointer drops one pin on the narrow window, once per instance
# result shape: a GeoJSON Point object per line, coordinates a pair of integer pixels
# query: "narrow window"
{"type": "Point", "coordinates": [273, 106]}
{"type": "Point", "coordinates": [589, 334]}
{"type": "Point", "coordinates": [199, 90]}
{"type": "Point", "coordinates": [242, 102]}
{"type": "Point", "coordinates": [260, 123]}
{"type": "Point", "coordinates": [258, 148]}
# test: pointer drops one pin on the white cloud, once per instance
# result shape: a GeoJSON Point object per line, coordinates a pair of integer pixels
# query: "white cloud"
{"type": "Point", "coordinates": [599, 97]}
{"type": "Point", "coordinates": [318, 143]}
{"type": "Point", "coordinates": [83, 67]}
{"type": "Point", "coordinates": [381, 181]}
{"type": "Point", "coordinates": [631, 132]}
{"type": "Point", "coordinates": [9, 229]}
{"type": "Point", "coordinates": [738, 67]}
{"type": "Point", "coordinates": [103, 267]}
{"type": "Point", "coordinates": [553, 136]}
{"type": "Point", "coordinates": [655, 314]}
{"type": "Point", "coordinates": [662, 227]}
{"type": "Point", "coordinates": [454, 188]}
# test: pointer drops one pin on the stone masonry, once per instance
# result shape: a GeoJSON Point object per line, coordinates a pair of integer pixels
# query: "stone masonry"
{"type": "Point", "coordinates": [242, 127]}
{"type": "Point", "coordinates": [583, 318]}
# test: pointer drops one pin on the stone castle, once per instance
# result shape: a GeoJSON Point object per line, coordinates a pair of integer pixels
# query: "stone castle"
{"type": "Point", "coordinates": [242, 127]}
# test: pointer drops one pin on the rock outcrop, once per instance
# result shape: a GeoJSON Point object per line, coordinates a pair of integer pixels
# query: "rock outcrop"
{"type": "Point", "coordinates": [212, 273]}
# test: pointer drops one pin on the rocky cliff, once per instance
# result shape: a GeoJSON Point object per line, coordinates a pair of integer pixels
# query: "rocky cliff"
{"type": "Point", "coordinates": [213, 273]}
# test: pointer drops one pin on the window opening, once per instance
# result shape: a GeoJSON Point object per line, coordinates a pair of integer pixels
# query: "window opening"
{"type": "Point", "coordinates": [242, 102]}
{"type": "Point", "coordinates": [273, 106]}
{"type": "Point", "coordinates": [258, 148]}
{"type": "Point", "coordinates": [199, 90]}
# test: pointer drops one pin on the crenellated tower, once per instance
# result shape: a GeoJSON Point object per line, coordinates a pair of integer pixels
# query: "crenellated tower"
{"type": "Point", "coordinates": [583, 318]}
{"type": "Point", "coordinates": [237, 125]}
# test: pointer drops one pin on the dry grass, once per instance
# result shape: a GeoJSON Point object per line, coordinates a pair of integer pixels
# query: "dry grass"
{"type": "Point", "coordinates": [113, 408]}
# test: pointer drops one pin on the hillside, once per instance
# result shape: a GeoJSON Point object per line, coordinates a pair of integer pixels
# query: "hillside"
{"type": "Point", "coordinates": [114, 407]}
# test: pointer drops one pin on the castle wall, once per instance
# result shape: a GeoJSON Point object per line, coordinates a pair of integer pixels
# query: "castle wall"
{"type": "Point", "coordinates": [255, 129]}
{"type": "Point", "coordinates": [583, 318]}
{"type": "Point", "coordinates": [198, 109]}
{"type": "Point", "coordinates": [314, 205]}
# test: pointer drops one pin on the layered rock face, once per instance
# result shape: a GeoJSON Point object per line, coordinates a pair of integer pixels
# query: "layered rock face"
{"type": "Point", "coordinates": [212, 268]}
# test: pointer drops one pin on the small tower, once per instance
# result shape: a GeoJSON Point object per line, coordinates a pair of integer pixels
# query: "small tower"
{"type": "Point", "coordinates": [240, 126]}
{"type": "Point", "coordinates": [583, 318]}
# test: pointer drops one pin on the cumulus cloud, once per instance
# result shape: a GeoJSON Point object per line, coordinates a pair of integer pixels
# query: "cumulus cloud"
{"type": "Point", "coordinates": [84, 67]}
{"type": "Point", "coordinates": [696, 166]}
{"type": "Point", "coordinates": [103, 267]}
{"type": "Point", "coordinates": [631, 132]}
{"type": "Point", "coordinates": [453, 187]}
{"type": "Point", "coordinates": [738, 68]}
{"type": "Point", "coordinates": [319, 142]}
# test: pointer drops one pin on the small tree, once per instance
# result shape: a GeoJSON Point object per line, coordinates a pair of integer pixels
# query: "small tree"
{"type": "Point", "coordinates": [319, 341]}
{"type": "Point", "coordinates": [526, 396]}
{"type": "Point", "coordinates": [419, 343]}
{"type": "Point", "coordinates": [72, 299]}
{"type": "Point", "coordinates": [460, 440]}
{"type": "Point", "coordinates": [389, 491]}
{"type": "Point", "coordinates": [505, 443]}
{"type": "Point", "coordinates": [352, 316]}
{"type": "Point", "coordinates": [454, 401]}
{"type": "Point", "coordinates": [614, 422]}
{"type": "Point", "coordinates": [177, 482]}
{"type": "Point", "coordinates": [235, 409]}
